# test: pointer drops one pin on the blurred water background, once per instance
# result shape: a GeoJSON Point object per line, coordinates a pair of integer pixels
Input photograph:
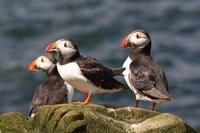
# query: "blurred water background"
{"type": "Point", "coordinates": [98, 27]}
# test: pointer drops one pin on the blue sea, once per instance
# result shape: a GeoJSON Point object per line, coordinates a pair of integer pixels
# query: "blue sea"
{"type": "Point", "coordinates": [98, 28]}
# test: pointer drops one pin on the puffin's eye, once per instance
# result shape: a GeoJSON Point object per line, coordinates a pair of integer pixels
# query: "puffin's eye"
{"type": "Point", "coordinates": [65, 45]}
{"type": "Point", "coordinates": [137, 36]}
{"type": "Point", "coordinates": [42, 60]}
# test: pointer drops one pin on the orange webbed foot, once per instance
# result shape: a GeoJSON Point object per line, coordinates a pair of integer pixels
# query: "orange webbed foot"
{"type": "Point", "coordinates": [85, 102]}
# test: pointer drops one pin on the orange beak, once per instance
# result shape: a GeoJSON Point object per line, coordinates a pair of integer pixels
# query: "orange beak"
{"type": "Point", "coordinates": [127, 43]}
{"type": "Point", "coordinates": [50, 47]}
{"type": "Point", "coordinates": [32, 66]}
{"type": "Point", "coordinates": [124, 43]}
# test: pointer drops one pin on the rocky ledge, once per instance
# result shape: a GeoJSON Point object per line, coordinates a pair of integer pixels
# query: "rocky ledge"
{"type": "Point", "coordinates": [92, 118]}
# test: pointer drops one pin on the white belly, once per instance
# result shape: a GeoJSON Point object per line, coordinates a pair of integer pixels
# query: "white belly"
{"type": "Point", "coordinates": [72, 74]}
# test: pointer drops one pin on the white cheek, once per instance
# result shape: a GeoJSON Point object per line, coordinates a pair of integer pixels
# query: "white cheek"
{"type": "Point", "coordinates": [68, 52]}
{"type": "Point", "coordinates": [45, 66]}
{"type": "Point", "coordinates": [140, 41]}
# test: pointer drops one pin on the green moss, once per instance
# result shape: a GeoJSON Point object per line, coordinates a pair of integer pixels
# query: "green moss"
{"type": "Point", "coordinates": [43, 115]}
{"type": "Point", "coordinates": [68, 118]}
{"type": "Point", "coordinates": [78, 126]}
{"type": "Point", "coordinates": [14, 123]}
{"type": "Point", "coordinates": [58, 114]}
{"type": "Point", "coordinates": [92, 118]}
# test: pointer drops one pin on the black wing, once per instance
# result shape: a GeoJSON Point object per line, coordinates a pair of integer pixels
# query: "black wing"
{"type": "Point", "coordinates": [99, 74]}
{"type": "Point", "coordinates": [148, 78]}
{"type": "Point", "coordinates": [91, 67]}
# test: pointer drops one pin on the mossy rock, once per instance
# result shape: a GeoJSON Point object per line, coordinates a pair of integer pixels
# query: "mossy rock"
{"type": "Point", "coordinates": [14, 123]}
{"type": "Point", "coordinates": [163, 123]}
{"type": "Point", "coordinates": [92, 118]}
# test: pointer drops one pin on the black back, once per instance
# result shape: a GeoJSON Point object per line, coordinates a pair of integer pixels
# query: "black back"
{"type": "Point", "coordinates": [98, 74]}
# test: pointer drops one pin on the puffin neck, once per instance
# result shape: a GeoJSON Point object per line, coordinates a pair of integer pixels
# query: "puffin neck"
{"type": "Point", "coordinates": [53, 72]}
{"type": "Point", "coordinates": [62, 60]}
{"type": "Point", "coordinates": [146, 50]}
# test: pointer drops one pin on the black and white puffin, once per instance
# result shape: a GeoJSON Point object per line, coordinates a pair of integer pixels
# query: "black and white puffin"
{"type": "Point", "coordinates": [82, 72]}
{"type": "Point", "coordinates": [54, 90]}
{"type": "Point", "coordinates": [143, 75]}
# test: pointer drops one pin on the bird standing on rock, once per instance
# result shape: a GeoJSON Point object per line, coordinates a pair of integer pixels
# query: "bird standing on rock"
{"type": "Point", "coordinates": [143, 75]}
{"type": "Point", "coordinates": [82, 72]}
{"type": "Point", "coordinates": [54, 90]}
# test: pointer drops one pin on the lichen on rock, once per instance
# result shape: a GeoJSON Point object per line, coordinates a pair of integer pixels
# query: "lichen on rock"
{"type": "Point", "coordinates": [92, 118]}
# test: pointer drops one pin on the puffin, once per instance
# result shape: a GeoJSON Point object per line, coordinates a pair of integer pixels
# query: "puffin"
{"type": "Point", "coordinates": [54, 90]}
{"type": "Point", "coordinates": [83, 72]}
{"type": "Point", "coordinates": [143, 75]}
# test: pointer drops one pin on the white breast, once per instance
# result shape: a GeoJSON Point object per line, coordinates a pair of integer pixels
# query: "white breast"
{"type": "Point", "coordinates": [126, 77]}
{"type": "Point", "coordinates": [72, 74]}
{"type": "Point", "coordinates": [127, 72]}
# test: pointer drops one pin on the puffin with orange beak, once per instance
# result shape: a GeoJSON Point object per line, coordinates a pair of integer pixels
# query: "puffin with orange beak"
{"type": "Point", "coordinates": [54, 90]}
{"type": "Point", "coordinates": [82, 72]}
{"type": "Point", "coordinates": [143, 75]}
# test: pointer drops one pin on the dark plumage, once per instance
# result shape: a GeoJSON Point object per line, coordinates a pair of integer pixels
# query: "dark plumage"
{"type": "Point", "coordinates": [98, 74]}
{"type": "Point", "coordinates": [143, 75]}
{"type": "Point", "coordinates": [86, 73]}
{"type": "Point", "coordinates": [53, 90]}
{"type": "Point", "coordinates": [148, 77]}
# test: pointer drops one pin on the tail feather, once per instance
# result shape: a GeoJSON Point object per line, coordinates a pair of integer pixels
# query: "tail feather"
{"type": "Point", "coordinates": [118, 71]}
